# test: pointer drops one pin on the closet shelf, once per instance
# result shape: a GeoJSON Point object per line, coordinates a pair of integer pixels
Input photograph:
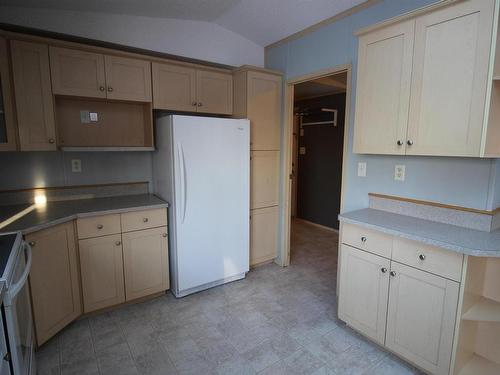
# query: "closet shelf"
{"type": "Point", "coordinates": [479, 365]}
{"type": "Point", "coordinates": [484, 310]}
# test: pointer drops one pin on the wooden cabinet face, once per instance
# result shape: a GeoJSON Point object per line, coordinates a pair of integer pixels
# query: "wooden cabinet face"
{"type": "Point", "coordinates": [263, 235]}
{"type": "Point", "coordinates": [174, 87]}
{"type": "Point", "coordinates": [383, 91]}
{"type": "Point", "coordinates": [77, 73]}
{"type": "Point", "coordinates": [264, 188]}
{"type": "Point", "coordinates": [54, 280]}
{"type": "Point", "coordinates": [128, 79]}
{"type": "Point", "coordinates": [449, 80]}
{"type": "Point", "coordinates": [364, 288]}
{"type": "Point", "coordinates": [33, 94]}
{"type": "Point", "coordinates": [214, 92]}
{"type": "Point", "coordinates": [101, 263]}
{"type": "Point", "coordinates": [8, 141]}
{"type": "Point", "coordinates": [264, 110]}
{"type": "Point", "coordinates": [421, 317]}
{"type": "Point", "coordinates": [145, 262]}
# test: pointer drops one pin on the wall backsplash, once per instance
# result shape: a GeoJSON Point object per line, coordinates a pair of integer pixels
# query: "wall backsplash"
{"type": "Point", "coordinates": [20, 170]}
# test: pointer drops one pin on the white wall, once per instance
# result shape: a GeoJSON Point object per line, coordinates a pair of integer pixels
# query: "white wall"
{"type": "Point", "coordinates": [194, 39]}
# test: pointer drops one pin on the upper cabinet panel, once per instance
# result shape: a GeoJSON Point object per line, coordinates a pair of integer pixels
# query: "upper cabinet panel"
{"type": "Point", "coordinates": [7, 117]}
{"type": "Point", "coordinates": [128, 79]}
{"type": "Point", "coordinates": [77, 73]}
{"type": "Point", "coordinates": [450, 74]}
{"type": "Point", "coordinates": [383, 93]}
{"type": "Point", "coordinates": [214, 91]}
{"type": "Point", "coordinates": [33, 94]}
{"type": "Point", "coordinates": [174, 87]}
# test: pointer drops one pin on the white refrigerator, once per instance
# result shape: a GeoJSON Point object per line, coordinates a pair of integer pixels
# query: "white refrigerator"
{"type": "Point", "coordinates": [201, 166]}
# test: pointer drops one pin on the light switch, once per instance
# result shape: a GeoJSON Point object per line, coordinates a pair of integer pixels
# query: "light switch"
{"type": "Point", "coordinates": [302, 150]}
{"type": "Point", "coordinates": [399, 172]}
{"type": "Point", "coordinates": [361, 169]}
{"type": "Point", "coordinates": [93, 117]}
{"type": "Point", "coordinates": [84, 117]}
{"type": "Point", "coordinates": [76, 165]}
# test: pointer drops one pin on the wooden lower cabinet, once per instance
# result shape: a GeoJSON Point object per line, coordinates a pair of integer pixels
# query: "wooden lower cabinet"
{"type": "Point", "coordinates": [54, 280]}
{"type": "Point", "coordinates": [364, 292]}
{"type": "Point", "coordinates": [263, 235]}
{"type": "Point", "coordinates": [101, 263]}
{"type": "Point", "coordinates": [421, 317]}
{"type": "Point", "coordinates": [145, 262]}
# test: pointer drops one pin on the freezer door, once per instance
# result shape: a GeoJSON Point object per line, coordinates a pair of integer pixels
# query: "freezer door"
{"type": "Point", "coordinates": [212, 172]}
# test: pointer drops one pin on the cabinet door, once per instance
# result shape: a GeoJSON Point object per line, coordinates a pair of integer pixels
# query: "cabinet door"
{"type": "Point", "coordinates": [101, 263]}
{"type": "Point", "coordinates": [54, 280]}
{"type": "Point", "coordinates": [449, 80]}
{"type": "Point", "coordinates": [264, 178]}
{"type": "Point", "coordinates": [364, 289]}
{"type": "Point", "coordinates": [128, 79]}
{"type": "Point", "coordinates": [33, 94]}
{"type": "Point", "coordinates": [214, 92]}
{"type": "Point", "coordinates": [8, 140]}
{"type": "Point", "coordinates": [264, 110]}
{"type": "Point", "coordinates": [263, 235]}
{"type": "Point", "coordinates": [145, 262]}
{"type": "Point", "coordinates": [77, 73]}
{"type": "Point", "coordinates": [383, 89]}
{"type": "Point", "coordinates": [421, 317]}
{"type": "Point", "coordinates": [174, 87]}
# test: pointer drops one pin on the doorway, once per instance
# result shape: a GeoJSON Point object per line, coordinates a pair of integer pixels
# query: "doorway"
{"type": "Point", "coordinates": [316, 117]}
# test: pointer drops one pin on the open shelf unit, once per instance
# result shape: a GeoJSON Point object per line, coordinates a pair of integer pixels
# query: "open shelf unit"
{"type": "Point", "coordinates": [484, 310]}
{"type": "Point", "coordinates": [478, 365]}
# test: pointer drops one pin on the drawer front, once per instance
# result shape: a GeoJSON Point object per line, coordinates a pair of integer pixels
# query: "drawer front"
{"type": "Point", "coordinates": [97, 226]}
{"type": "Point", "coordinates": [428, 258]}
{"type": "Point", "coordinates": [138, 220]}
{"type": "Point", "coordinates": [367, 239]}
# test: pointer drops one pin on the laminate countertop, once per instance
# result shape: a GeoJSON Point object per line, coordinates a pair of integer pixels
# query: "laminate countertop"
{"type": "Point", "coordinates": [33, 217]}
{"type": "Point", "coordinates": [450, 237]}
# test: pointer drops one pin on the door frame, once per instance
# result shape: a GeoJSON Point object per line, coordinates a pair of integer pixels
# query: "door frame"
{"type": "Point", "coordinates": [286, 186]}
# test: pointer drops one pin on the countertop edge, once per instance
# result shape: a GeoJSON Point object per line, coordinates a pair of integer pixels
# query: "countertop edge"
{"type": "Point", "coordinates": [425, 240]}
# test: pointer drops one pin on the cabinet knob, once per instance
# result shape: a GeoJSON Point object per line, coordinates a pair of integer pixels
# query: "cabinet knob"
{"type": "Point", "coordinates": [421, 257]}
{"type": "Point", "coordinates": [400, 142]}
{"type": "Point", "coordinates": [32, 243]}
{"type": "Point", "coordinates": [200, 104]}
{"type": "Point", "coordinates": [145, 220]}
{"type": "Point", "coordinates": [383, 269]}
{"type": "Point", "coordinates": [363, 239]}
{"type": "Point", "coordinates": [101, 88]}
{"type": "Point", "coordinates": [51, 140]}
{"type": "Point", "coordinates": [164, 235]}
{"type": "Point", "coordinates": [393, 273]}
{"type": "Point", "coordinates": [118, 243]}
{"type": "Point", "coordinates": [194, 104]}
{"type": "Point", "coordinates": [110, 89]}
{"type": "Point", "coordinates": [100, 226]}
{"type": "Point", "coordinates": [409, 142]}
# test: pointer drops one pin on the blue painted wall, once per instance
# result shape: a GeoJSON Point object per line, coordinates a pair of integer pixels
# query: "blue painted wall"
{"type": "Point", "coordinates": [466, 182]}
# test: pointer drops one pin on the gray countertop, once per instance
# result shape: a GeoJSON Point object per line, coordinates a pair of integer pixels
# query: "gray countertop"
{"type": "Point", "coordinates": [57, 212]}
{"type": "Point", "coordinates": [451, 237]}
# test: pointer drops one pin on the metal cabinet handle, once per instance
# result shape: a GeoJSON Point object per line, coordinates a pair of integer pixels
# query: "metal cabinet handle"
{"type": "Point", "coordinates": [363, 239]}
{"type": "Point", "coordinates": [145, 220]}
{"type": "Point", "coordinates": [164, 235]}
{"type": "Point", "coordinates": [51, 140]}
{"type": "Point", "coordinates": [421, 257]}
{"type": "Point", "coordinates": [393, 273]}
{"type": "Point", "coordinates": [101, 88]}
{"type": "Point", "coordinates": [110, 89]}
{"type": "Point", "coordinates": [32, 243]}
{"type": "Point", "coordinates": [400, 142]}
{"type": "Point", "coordinates": [200, 104]}
{"type": "Point", "coordinates": [409, 142]}
{"type": "Point", "coordinates": [383, 269]}
{"type": "Point", "coordinates": [118, 243]}
{"type": "Point", "coordinates": [100, 226]}
{"type": "Point", "coordinates": [7, 357]}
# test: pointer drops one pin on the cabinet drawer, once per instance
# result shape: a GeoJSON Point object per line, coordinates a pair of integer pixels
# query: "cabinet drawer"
{"type": "Point", "coordinates": [428, 258]}
{"type": "Point", "coordinates": [138, 220]}
{"type": "Point", "coordinates": [98, 226]}
{"type": "Point", "coordinates": [367, 239]}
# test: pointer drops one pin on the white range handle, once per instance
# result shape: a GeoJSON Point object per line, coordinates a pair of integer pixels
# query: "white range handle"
{"type": "Point", "coordinates": [16, 288]}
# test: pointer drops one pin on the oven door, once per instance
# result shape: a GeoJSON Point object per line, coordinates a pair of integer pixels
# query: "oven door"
{"type": "Point", "coordinates": [18, 315]}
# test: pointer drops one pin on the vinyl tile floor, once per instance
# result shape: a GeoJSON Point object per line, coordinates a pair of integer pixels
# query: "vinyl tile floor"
{"type": "Point", "coordinates": [275, 321]}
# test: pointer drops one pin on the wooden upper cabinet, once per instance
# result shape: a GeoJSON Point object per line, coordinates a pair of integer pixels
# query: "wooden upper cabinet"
{"type": "Point", "coordinates": [128, 79]}
{"type": "Point", "coordinates": [383, 92]}
{"type": "Point", "coordinates": [449, 82]}
{"type": "Point", "coordinates": [77, 73]}
{"type": "Point", "coordinates": [174, 87]}
{"type": "Point", "coordinates": [8, 139]}
{"type": "Point", "coordinates": [214, 92]}
{"type": "Point", "coordinates": [54, 280]}
{"type": "Point", "coordinates": [33, 94]}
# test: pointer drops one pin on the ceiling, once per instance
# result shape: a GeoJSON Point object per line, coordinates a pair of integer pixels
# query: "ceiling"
{"type": "Point", "coordinates": [330, 85]}
{"type": "Point", "coordinates": [261, 21]}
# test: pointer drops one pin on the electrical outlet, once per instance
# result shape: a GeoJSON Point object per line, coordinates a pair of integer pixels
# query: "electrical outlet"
{"type": "Point", "coordinates": [84, 117]}
{"type": "Point", "coordinates": [399, 172]}
{"type": "Point", "coordinates": [361, 169]}
{"type": "Point", "coordinates": [302, 150]}
{"type": "Point", "coordinates": [76, 165]}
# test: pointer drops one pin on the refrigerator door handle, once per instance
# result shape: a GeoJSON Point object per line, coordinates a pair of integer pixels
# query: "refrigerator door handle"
{"type": "Point", "coordinates": [182, 166]}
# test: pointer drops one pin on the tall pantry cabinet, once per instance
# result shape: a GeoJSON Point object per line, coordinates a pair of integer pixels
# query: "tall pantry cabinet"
{"type": "Point", "coordinates": [257, 96]}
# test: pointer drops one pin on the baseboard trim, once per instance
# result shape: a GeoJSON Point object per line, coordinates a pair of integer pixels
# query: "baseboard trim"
{"type": "Point", "coordinates": [316, 225]}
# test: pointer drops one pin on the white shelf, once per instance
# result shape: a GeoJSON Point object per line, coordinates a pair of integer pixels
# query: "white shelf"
{"type": "Point", "coordinates": [484, 310]}
{"type": "Point", "coordinates": [478, 365]}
